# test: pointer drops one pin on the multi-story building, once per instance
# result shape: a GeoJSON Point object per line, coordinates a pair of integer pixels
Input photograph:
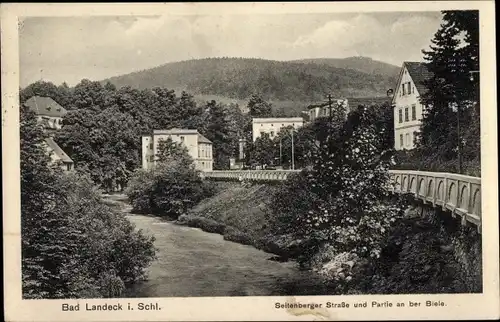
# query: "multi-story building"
{"type": "Point", "coordinates": [50, 114]}
{"type": "Point", "coordinates": [272, 125]}
{"type": "Point", "coordinates": [323, 109]}
{"type": "Point", "coordinates": [408, 109]}
{"type": "Point", "coordinates": [48, 111]}
{"type": "Point", "coordinates": [198, 146]}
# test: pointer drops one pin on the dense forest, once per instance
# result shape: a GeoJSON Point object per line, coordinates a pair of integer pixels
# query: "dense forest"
{"type": "Point", "coordinates": [239, 78]}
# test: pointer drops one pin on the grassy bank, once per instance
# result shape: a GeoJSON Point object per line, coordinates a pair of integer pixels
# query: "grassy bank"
{"type": "Point", "coordinates": [239, 213]}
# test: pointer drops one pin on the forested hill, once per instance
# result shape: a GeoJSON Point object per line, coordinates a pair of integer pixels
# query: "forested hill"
{"type": "Point", "coordinates": [362, 64]}
{"type": "Point", "coordinates": [239, 78]}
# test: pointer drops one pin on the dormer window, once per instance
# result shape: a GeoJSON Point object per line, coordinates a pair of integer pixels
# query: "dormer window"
{"type": "Point", "coordinates": [58, 109]}
{"type": "Point", "coordinates": [49, 108]}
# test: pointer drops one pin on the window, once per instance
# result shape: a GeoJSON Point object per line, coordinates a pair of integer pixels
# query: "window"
{"type": "Point", "coordinates": [401, 140]}
{"type": "Point", "coordinates": [406, 114]}
{"type": "Point", "coordinates": [409, 88]}
{"type": "Point", "coordinates": [151, 146]}
{"type": "Point", "coordinates": [403, 86]}
{"type": "Point", "coordinates": [272, 133]}
{"type": "Point", "coordinates": [413, 112]}
{"type": "Point", "coordinates": [68, 166]}
{"type": "Point", "coordinates": [407, 139]}
{"type": "Point", "coordinates": [182, 139]}
{"type": "Point", "coordinates": [400, 116]}
{"type": "Point", "coordinates": [272, 124]}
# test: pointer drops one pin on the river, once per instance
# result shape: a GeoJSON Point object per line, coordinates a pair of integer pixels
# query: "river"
{"type": "Point", "coordinates": [195, 263]}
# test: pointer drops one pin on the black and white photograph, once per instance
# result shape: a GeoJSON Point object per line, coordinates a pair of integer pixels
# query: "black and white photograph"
{"type": "Point", "coordinates": [333, 153]}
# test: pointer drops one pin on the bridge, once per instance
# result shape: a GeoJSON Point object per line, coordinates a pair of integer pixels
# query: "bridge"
{"type": "Point", "coordinates": [458, 194]}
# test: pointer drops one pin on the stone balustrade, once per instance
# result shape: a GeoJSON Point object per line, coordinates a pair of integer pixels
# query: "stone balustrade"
{"type": "Point", "coordinates": [251, 175]}
{"type": "Point", "coordinates": [459, 194]}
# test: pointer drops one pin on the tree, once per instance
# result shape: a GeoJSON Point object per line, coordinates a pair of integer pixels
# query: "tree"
{"type": "Point", "coordinates": [264, 151]}
{"type": "Point", "coordinates": [219, 131]}
{"type": "Point", "coordinates": [257, 107]}
{"type": "Point", "coordinates": [450, 89]}
{"type": "Point", "coordinates": [169, 151]}
{"type": "Point", "coordinates": [343, 203]}
{"type": "Point", "coordinates": [73, 246]}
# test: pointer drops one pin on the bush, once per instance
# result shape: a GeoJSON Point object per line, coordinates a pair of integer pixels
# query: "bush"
{"type": "Point", "coordinates": [342, 200]}
{"type": "Point", "coordinates": [234, 235]}
{"type": "Point", "coordinates": [205, 224]}
{"type": "Point", "coordinates": [417, 160]}
{"type": "Point", "coordinates": [169, 190]}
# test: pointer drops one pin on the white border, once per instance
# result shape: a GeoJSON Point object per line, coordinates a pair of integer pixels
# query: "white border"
{"type": "Point", "coordinates": [478, 306]}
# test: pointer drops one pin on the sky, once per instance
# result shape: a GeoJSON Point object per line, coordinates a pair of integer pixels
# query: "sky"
{"type": "Point", "coordinates": [69, 49]}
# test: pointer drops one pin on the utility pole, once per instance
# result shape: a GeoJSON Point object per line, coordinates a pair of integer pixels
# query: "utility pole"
{"type": "Point", "coordinates": [459, 147]}
{"type": "Point", "coordinates": [293, 156]}
{"type": "Point", "coordinates": [330, 106]}
{"type": "Point", "coordinates": [281, 162]}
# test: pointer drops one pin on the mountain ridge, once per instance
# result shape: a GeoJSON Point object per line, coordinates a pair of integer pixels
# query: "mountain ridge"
{"type": "Point", "coordinates": [239, 78]}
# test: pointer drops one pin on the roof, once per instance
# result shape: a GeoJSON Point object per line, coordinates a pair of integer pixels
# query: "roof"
{"type": "Point", "coordinates": [354, 102]}
{"type": "Point", "coordinates": [367, 101]}
{"type": "Point", "coordinates": [58, 151]}
{"type": "Point", "coordinates": [202, 139]}
{"type": "Point", "coordinates": [418, 73]}
{"type": "Point", "coordinates": [45, 106]}
{"type": "Point", "coordinates": [176, 131]}
{"type": "Point", "coordinates": [277, 119]}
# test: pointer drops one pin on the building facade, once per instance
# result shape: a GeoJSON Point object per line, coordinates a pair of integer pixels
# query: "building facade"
{"type": "Point", "coordinates": [272, 125]}
{"type": "Point", "coordinates": [408, 110]}
{"type": "Point", "coordinates": [50, 114]}
{"type": "Point", "coordinates": [323, 109]}
{"type": "Point", "coordinates": [198, 146]}
{"type": "Point", "coordinates": [58, 156]}
{"type": "Point", "coordinates": [48, 111]}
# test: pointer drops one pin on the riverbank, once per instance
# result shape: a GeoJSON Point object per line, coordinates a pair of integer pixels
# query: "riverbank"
{"type": "Point", "coordinates": [239, 213]}
{"type": "Point", "coordinates": [191, 262]}
{"type": "Point", "coordinates": [419, 256]}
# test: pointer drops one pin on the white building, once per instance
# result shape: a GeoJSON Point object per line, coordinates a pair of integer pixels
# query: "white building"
{"type": "Point", "coordinates": [349, 104]}
{"type": "Point", "coordinates": [406, 104]}
{"type": "Point", "coordinates": [48, 111]}
{"type": "Point", "coordinates": [58, 156]}
{"type": "Point", "coordinates": [50, 114]}
{"type": "Point", "coordinates": [198, 146]}
{"type": "Point", "coordinates": [272, 125]}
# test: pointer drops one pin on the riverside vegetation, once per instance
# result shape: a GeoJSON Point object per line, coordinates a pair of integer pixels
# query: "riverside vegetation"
{"type": "Point", "coordinates": [73, 245]}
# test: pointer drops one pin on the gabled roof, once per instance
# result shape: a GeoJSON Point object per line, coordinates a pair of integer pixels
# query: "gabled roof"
{"type": "Point", "coordinates": [58, 151]}
{"type": "Point", "coordinates": [419, 74]}
{"type": "Point", "coordinates": [45, 106]}
{"type": "Point", "coordinates": [202, 139]}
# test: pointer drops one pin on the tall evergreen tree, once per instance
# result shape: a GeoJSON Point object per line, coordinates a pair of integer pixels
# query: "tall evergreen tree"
{"type": "Point", "coordinates": [452, 57]}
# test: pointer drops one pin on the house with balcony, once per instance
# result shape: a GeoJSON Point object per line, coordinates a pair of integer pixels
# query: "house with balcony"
{"type": "Point", "coordinates": [408, 110]}
{"type": "Point", "coordinates": [198, 146]}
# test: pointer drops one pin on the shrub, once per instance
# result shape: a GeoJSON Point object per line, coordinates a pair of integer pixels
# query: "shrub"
{"type": "Point", "coordinates": [342, 200]}
{"type": "Point", "coordinates": [234, 235]}
{"type": "Point", "coordinates": [170, 189]}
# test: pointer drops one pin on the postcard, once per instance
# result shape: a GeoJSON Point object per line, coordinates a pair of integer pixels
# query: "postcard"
{"type": "Point", "coordinates": [250, 161]}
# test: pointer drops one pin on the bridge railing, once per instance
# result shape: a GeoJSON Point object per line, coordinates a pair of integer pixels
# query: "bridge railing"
{"type": "Point", "coordinates": [252, 175]}
{"type": "Point", "coordinates": [459, 194]}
